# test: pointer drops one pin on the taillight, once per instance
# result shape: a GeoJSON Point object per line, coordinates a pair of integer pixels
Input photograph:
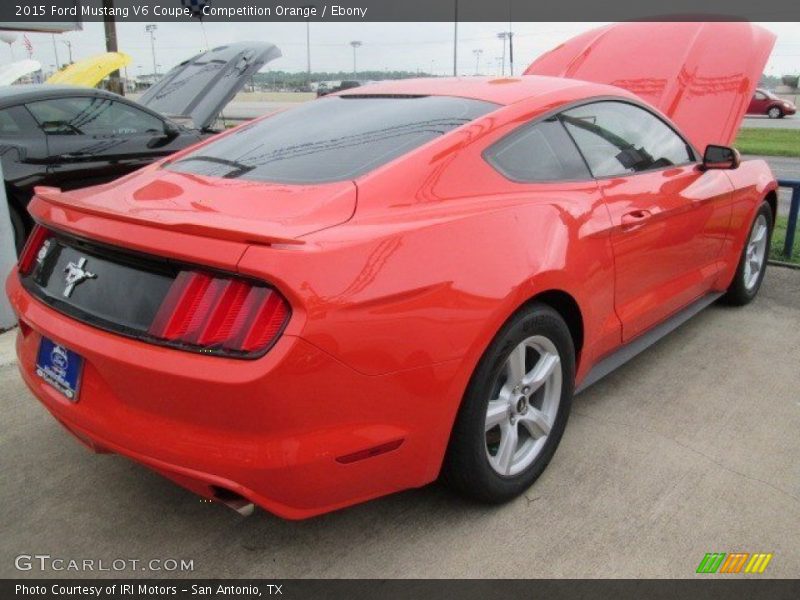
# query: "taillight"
{"type": "Point", "coordinates": [36, 240]}
{"type": "Point", "coordinates": [220, 314]}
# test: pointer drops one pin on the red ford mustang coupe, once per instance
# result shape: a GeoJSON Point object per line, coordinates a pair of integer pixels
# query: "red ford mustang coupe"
{"type": "Point", "coordinates": [401, 281]}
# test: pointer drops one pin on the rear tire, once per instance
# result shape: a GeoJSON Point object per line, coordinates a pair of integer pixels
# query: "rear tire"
{"type": "Point", "coordinates": [753, 261]}
{"type": "Point", "coordinates": [515, 408]}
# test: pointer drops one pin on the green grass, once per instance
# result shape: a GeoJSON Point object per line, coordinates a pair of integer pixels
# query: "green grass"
{"type": "Point", "coordinates": [769, 142]}
{"type": "Point", "coordinates": [778, 237]}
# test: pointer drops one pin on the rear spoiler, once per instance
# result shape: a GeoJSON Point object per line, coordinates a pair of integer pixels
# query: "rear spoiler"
{"type": "Point", "coordinates": [54, 196]}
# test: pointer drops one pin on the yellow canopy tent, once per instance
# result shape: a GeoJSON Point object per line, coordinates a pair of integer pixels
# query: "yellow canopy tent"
{"type": "Point", "coordinates": [90, 71]}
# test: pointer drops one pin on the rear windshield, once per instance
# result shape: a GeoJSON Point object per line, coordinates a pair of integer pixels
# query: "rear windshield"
{"type": "Point", "coordinates": [331, 139]}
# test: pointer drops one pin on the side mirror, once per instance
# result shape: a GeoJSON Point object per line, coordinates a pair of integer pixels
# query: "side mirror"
{"type": "Point", "coordinates": [721, 157]}
{"type": "Point", "coordinates": [171, 131]}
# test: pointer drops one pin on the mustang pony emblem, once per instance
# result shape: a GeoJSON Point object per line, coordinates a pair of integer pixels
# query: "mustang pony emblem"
{"type": "Point", "coordinates": [75, 275]}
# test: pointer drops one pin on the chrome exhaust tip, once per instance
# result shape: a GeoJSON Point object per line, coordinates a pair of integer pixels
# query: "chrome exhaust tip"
{"type": "Point", "coordinates": [233, 500]}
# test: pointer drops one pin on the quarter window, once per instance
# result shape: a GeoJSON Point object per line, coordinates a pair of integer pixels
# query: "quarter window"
{"type": "Point", "coordinates": [617, 138]}
{"type": "Point", "coordinates": [539, 152]}
{"type": "Point", "coordinates": [92, 116]}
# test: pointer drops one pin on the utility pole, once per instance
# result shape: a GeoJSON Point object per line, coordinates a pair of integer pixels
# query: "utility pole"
{"type": "Point", "coordinates": [355, 44]}
{"type": "Point", "coordinates": [502, 36]}
{"type": "Point", "coordinates": [151, 29]}
{"type": "Point", "coordinates": [477, 52]}
{"type": "Point", "coordinates": [308, 44]}
{"type": "Point", "coordinates": [68, 44]}
{"type": "Point", "coordinates": [455, 38]}
{"type": "Point", "coordinates": [110, 26]}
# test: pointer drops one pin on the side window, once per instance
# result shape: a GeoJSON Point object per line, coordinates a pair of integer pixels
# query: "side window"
{"type": "Point", "coordinates": [760, 96]}
{"type": "Point", "coordinates": [617, 138]}
{"type": "Point", "coordinates": [92, 116]}
{"type": "Point", "coordinates": [539, 152]}
{"type": "Point", "coordinates": [8, 125]}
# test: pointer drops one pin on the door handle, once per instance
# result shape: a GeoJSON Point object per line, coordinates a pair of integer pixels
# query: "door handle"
{"type": "Point", "coordinates": [635, 217]}
{"type": "Point", "coordinates": [71, 155]}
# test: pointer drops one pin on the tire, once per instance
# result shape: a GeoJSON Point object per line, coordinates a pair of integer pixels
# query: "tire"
{"type": "Point", "coordinates": [746, 282]}
{"type": "Point", "coordinates": [18, 226]}
{"type": "Point", "coordinates": [477, 462]}
{"type": "Point", "coordinates": [775, 112]}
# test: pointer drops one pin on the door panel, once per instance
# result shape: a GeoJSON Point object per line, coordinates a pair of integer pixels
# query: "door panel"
{"type": "Point", "coordinates": [669, 218]}
{"type": "Point", "coordinates": [92, 140]}
{"type": "Point", "coordinates": [669, 227]}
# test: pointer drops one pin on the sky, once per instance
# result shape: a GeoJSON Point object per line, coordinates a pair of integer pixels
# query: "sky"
{"type": "Point", "coordinates": [427, 47]}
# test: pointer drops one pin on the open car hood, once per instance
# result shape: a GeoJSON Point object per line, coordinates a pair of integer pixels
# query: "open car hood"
{"type": "Point", "coordinates": [90, 71]}
{"type": "Point", "coordinates": [701, 75]}
{"type": "Point", "coordinates": [10, 73]}
{"type": "Point", "coordinates": [200, 87]}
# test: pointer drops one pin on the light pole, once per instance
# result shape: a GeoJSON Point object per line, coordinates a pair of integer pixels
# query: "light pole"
{"type": "Point", "coordinates": [502, 36]}
{"type": "Point", "coordinates": [308, 52]}
{"type": "Point", "coordinates": [455, 38]}
{"type": "Point", "coordinates": [511, 53]}
{"type": "Point", "coordinates": [355, 44]}
{"type": "Point", "coordinates": [151, 29]}
{"type": "Point", "coordinates": [477, 52]}
{"type": "Point", "coordinates": [55, 51]}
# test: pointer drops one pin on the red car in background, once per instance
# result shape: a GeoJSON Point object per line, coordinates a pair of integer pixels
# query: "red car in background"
{"type": "Point", "coordinates": [403, 281]}
{"type": "Point", "coordinates": [765, 102]}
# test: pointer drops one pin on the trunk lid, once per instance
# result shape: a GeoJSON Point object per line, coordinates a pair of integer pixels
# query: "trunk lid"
{"type": "Point", "coordinates": [225, 209]}
{"type": "Point", "coordinates": [200, 87]}
{"type": "Point", "coordinates": [700, 75]}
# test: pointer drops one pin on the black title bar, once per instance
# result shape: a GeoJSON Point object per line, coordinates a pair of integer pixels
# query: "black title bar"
{"type": "Point", "coordinates": [43, 11]}
{"type": "Point", "coordinates": [724, 587]}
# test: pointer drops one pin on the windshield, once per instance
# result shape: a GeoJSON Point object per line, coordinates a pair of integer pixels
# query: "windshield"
{"type": "Point", "coordinates": [331, 139]}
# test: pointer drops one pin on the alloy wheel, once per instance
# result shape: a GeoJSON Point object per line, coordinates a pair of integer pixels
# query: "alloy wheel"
{"type": "Point", "coordinates": [523, 406]}
{"type": "Point", "coordinates": [774, 112]}
{"type": "Point", "coordinates": [756, 252]}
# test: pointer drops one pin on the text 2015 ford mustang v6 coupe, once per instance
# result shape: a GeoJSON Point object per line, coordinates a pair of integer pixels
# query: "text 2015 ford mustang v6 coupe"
{"type": "Point", "coordinates": [403, 280]}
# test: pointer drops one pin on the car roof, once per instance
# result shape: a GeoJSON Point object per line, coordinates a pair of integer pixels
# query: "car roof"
{"type": "Point", "coordinates": [16, 94]}
{"type": "Point", "coordinates": [503, 90]}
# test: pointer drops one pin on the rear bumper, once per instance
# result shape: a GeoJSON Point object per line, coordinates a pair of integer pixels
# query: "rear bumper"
{"type": "Point", "coordinates": [270, 430]}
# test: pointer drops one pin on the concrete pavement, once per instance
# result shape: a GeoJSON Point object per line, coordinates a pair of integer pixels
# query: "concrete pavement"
{"type": "Point", "coordinates": [690, 448]}
{"type": "Point", "coordinates": [788, 122]}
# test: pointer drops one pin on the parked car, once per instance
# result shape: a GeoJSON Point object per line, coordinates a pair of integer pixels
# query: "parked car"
{"type": "Point", "coordinates": [324, 90]}
{"type": "Point", "coordinates": [360, 294]}
{"type": "Point", "coordinates": [74, 137]}
{"type": "Point", "coordinates": [765, 102]}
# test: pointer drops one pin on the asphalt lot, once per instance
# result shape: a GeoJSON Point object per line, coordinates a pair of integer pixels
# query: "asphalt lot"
{"type": "Point", "coordinates": [693, 447]}
{"type": "Point", "coordinates": [790, 122]}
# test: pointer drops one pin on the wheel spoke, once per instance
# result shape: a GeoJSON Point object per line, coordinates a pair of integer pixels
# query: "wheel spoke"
{"type": "Point", "coordinates": [545, 366]}
{"type": "Point", "coordinates": [508, 447]}
{"type": "Point", "coordinates": [515, 366]}
{"type": "Point", "coordinates": [536, 422]}
{"type": "Point", "coordinates": [759, 235]}
{"type": "Point", "coordinates": [496, 414]}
